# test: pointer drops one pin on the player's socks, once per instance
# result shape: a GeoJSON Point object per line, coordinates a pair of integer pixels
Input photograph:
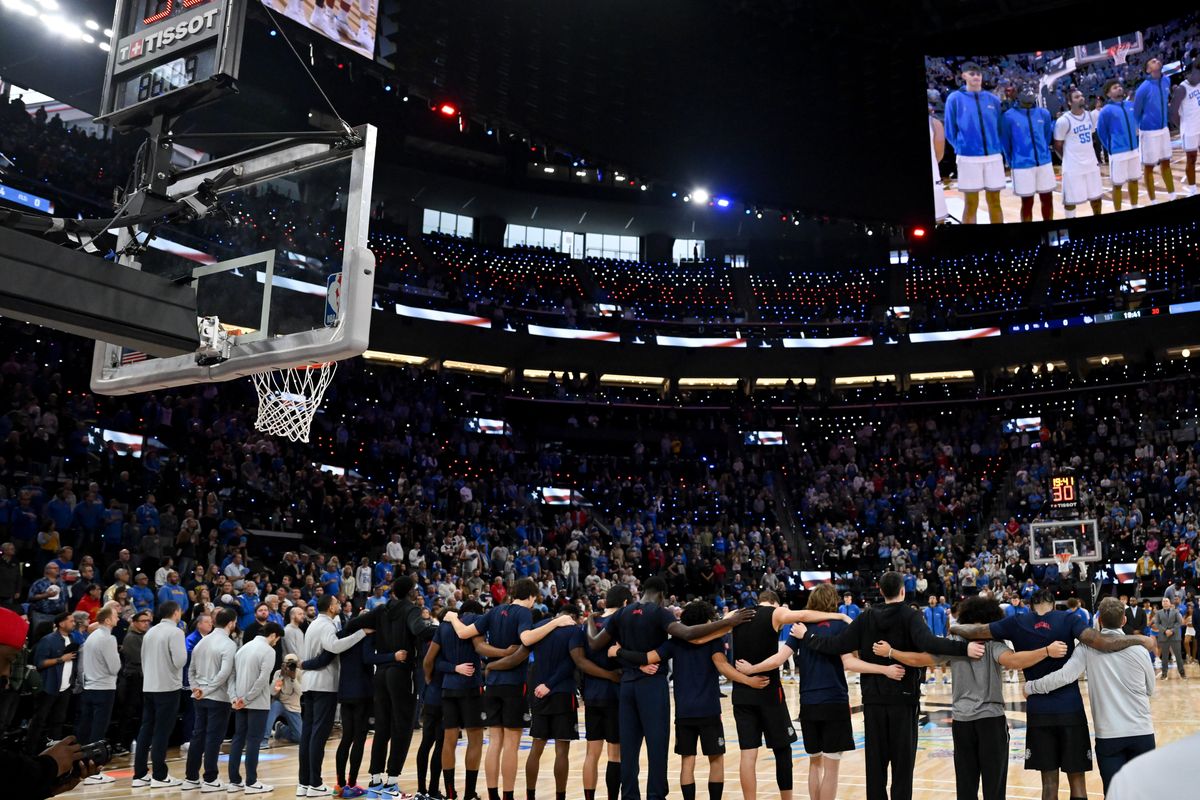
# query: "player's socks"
{"type": "Point", "coordinates": [560, 796]}
{"type": "Point", "coordinates": [472, 780]}
{"type": "Point", "coordinates": [448, 778]}
{"type": "Point", "coordinates": [715, 790]}
{"type": "Point", "coordinates": [612, 780]}
{"type": "Point", "coordinates": [688, 790]}
{"type": "Point", "coordinates": [493, 793]}
{"type": "Point", "coordinates": [508, 796]}
{"type": "Point", "coordinates": [1069, 213]}
{"type": "Point", "coordinates": [530, 794]}
{"type": "Point", "coordinates": [589, 794]}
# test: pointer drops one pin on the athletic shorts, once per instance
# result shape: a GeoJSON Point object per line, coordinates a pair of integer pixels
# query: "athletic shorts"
{"type": "Point", "coordinates": [826, 728]}
{"type": "Point", "coordinates": [431, 714]}
{"type": "Point", "coordinates": [980, 173]}
{"type": "Point", "coordinates": [504, 706]}
{"type": "Point", "coordinates": [940, 211]}
{"type": "Point", "coordinates": [1029, 181]}
{"type": "Point", "coordinates": [770, 723]}
{"type": "Point", "coordinates": [1191, 141]}
{"type": "Point", "coordinates": [602, 723]}
{"type": "Point", "coordinates": [555, 716]}
{"type": "Point", "coordinates": [1124, 168]}
{"type": "Point", "coordinates": [463, 710]}
{"type": "Point", "coordinates": [1155, 146]}
{"type": "Point", "coordinates": [710, 732]}
{"type": "Point", "coordinates": [1081, 187]}
{"type": "Point", "coordinates": [1058, 741]}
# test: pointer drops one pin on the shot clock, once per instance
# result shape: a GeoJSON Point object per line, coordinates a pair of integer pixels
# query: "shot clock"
{"type": "Point", "coordinates": [169, 56]}
{"type": "Point", "coordinates": [1064, 492]}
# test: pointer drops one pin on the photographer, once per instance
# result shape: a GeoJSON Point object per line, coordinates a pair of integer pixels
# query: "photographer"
{"type": "Point", "coordinates": [57, 769]}
{"type": "Point", "coordinates": [285, 704]}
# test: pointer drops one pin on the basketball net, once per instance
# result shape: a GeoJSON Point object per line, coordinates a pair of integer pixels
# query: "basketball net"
{"type": "Point", "coordinates": [1064, 564]}
{"type": "Point", "coordinates": [1118, 52]}
{"type": "Point", "coordinates": [288, 399]}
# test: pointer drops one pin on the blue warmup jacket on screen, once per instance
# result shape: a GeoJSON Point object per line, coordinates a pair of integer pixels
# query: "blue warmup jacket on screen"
{"type": "Point", "coordinates": [1117, 128]}
{"type": "Point", "coordinates": [973, 123]}
{"type": "Point", "coordinates": [1151, 103]}
{"type": "Point", "coordinates": [1026, 134]}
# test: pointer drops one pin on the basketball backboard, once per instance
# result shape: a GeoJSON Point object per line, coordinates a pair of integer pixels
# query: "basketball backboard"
{"type": "Point", "coordinates": [283, 269]}
{"type": "Point", "coordinates": [1099, 50]}
{"type": "Point", "coordinates": [1079, 538]}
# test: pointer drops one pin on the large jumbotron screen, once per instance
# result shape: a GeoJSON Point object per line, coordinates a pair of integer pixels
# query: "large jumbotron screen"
{"type": "Point", "coordinates": [1072, 131]}
{"type": "Point", "coordinates": [350, 23]}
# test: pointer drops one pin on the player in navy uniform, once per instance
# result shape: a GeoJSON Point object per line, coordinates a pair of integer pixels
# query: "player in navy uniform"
{"type": "Point", "coordinates": [824, 695]}
{"type": "Point", "coordinates": [504, 694]}
{"type": "Point", "coordinates": [889, 707]}
{"type": "Point", "coordinates": [601, 719]}
{"type": "Point", "coordinates": [554, 710]}
{"type": "Point", "coordinates": [762, 715]}
{"type": "Point", "coordinates": [1057, 737]}
{"type": "Point", "coordinates": [696, 668]}
{"type": "Point", "coordinates": [645, 709]}
{"type": "Point", "coordinates": [454, 664]}
{"type": "Point", "coordinates": [429, 753]}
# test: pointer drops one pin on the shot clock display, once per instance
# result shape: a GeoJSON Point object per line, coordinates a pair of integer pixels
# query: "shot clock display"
{"type": "Point", "coordinates": [1064, 492]}
{"type": "Point", "coordinates": [169, 56]}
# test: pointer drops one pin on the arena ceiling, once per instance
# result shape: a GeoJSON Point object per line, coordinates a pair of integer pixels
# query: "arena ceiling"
{"type": "Point", "coordinates": [814, 105]}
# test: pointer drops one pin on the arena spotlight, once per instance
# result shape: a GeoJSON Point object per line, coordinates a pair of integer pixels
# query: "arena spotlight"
{"type": "Point", "coordinates": [448, 109]}
{"type": "Point", "coordinates": [758, 215]}
{"type": "Point", "coordinates": [1104, 361]}
{"type": "Point", "coordinates": [1186, 353]}
{"type": "Point", "coordinates": [918, 233]}
{"type": "Point", "coordinates": [700, 195]}
{"type": "Point", "coordinates": [722, 202]}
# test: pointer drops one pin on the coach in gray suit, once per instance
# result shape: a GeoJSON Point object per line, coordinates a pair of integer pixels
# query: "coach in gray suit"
{"type": "Point", "coordinates": [1169, 625]}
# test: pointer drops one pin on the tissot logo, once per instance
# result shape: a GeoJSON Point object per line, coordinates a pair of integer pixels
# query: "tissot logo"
{"type": "Point", "coordinates": [163, 38]}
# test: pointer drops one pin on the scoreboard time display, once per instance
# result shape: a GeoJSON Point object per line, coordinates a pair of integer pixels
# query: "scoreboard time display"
{"type": "Point", "coordinates": [169, 56]}
{"type": "Point", "coordinates": [1064, 492]}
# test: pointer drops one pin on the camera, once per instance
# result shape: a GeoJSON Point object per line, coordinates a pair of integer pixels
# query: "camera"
{"type": "Point", "coordinates": [98, 752]}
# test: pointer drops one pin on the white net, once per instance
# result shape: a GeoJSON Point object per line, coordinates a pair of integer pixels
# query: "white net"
{"type": "Point", "coordinates": [1119, 53]}
{"type": "Point", "coordinates": [288, 399]}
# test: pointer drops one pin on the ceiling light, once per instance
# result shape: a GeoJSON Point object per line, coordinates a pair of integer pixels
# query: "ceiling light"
{"type": "Point", "coordinates": [1186, 353]}
{"type": "Point", "coordinates": [701, 195]}
{"type": "Point", "coordinates": [92, 25]}
{"type": "Point", "coordinates": [21, 6]}
{"type": "Point", "coordinates": [549, 170]}
{"type": "Point", "coordinates": [105, 46]}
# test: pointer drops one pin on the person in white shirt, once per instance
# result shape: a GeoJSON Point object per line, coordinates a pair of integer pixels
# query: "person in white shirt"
{"type": "Point", "coordinates": [100, 663]}
{"type": "Point", "coordinates": [364, 577]}
{"type": "Point", "coordinates": [318, 703]}
{"type": "Point", "coordinates": [251, 695]}
{"type": "Point", "coordinates": [395, 550]}
{"type": "Point", "coordinates": [1073, 135]}
{"type": "Point", "coordinates": [210, 674]}
{"type": "Point", "coordinates": [293, 634]}
{"type": "Point", "coordinates": [163, 657]}
{"type": "Point", "coordinates": [1120, 685]}
{"type": "Point", "coordinates": [1170, 771]}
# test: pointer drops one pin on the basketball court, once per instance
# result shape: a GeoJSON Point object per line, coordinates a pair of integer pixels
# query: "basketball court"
{"type": "Point", "coordinates": [1176, 707]}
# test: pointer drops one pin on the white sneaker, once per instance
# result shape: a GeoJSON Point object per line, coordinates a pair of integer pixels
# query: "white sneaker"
{"type": "Point", "coordinates": [234, 788]}
{"type": "Point", "coordinates": [301, 790]}
{"type": "Point", "coordinates": [209, 788]}
{"type": "Point", "coordinates": [259, 788]}
{"type": "Point", "coordinates": [141, 783]}
{"type": "Point", "coordinates": [98, 779]}
{"type": "Point", "coordinates": [183, 748]}
{"type": "Point", "coordinates": [388, 790]}
{"type": "Point", "coordinates": [166, 783]}
{"type": "Point", "coordinates": [189, 785]}
{"type": "Point", "coordinates": [320, 791]}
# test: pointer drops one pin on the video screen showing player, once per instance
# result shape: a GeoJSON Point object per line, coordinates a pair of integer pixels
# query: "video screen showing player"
{"type": "Point", "coordinates": [350, 23]}
{"type": "Point", "coordinates": [1000, 127]}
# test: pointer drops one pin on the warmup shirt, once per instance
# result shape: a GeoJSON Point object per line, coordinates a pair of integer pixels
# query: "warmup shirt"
{"type": "Point", "coordinates": [697, 682]}
{"type": "Point", "coordinates": [502, 626]}
{"type": "Point", "coordinates": [1117, 128]}
{"type": "Point", "coordinates": [552, 664]}
{"type": "Point", "coordinates": [1026, 134]}
{"type": "Point", "coordinates": [1033, 632]}
{"type": "Point", "coordinates": [596, 691]}
{"type": "Point", "coordinates": [852, 610]}
{"type": "Point", "coordinates": [935, 619]}
{"type": "Point", "coordinates": [822, 677]}
{"type": "Point", "coordinates": [755, 641]}
{"type": "Point", "coordinates": [1189, 110]}
{"type": "Point", "coordinates": [973, 123]}
{"type": "Point", "coordinates": [1152, 102]}
{"type": "Point", "coordinates": [453, 651]}
{"type": "Point", "coordinates": [640, 628]}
